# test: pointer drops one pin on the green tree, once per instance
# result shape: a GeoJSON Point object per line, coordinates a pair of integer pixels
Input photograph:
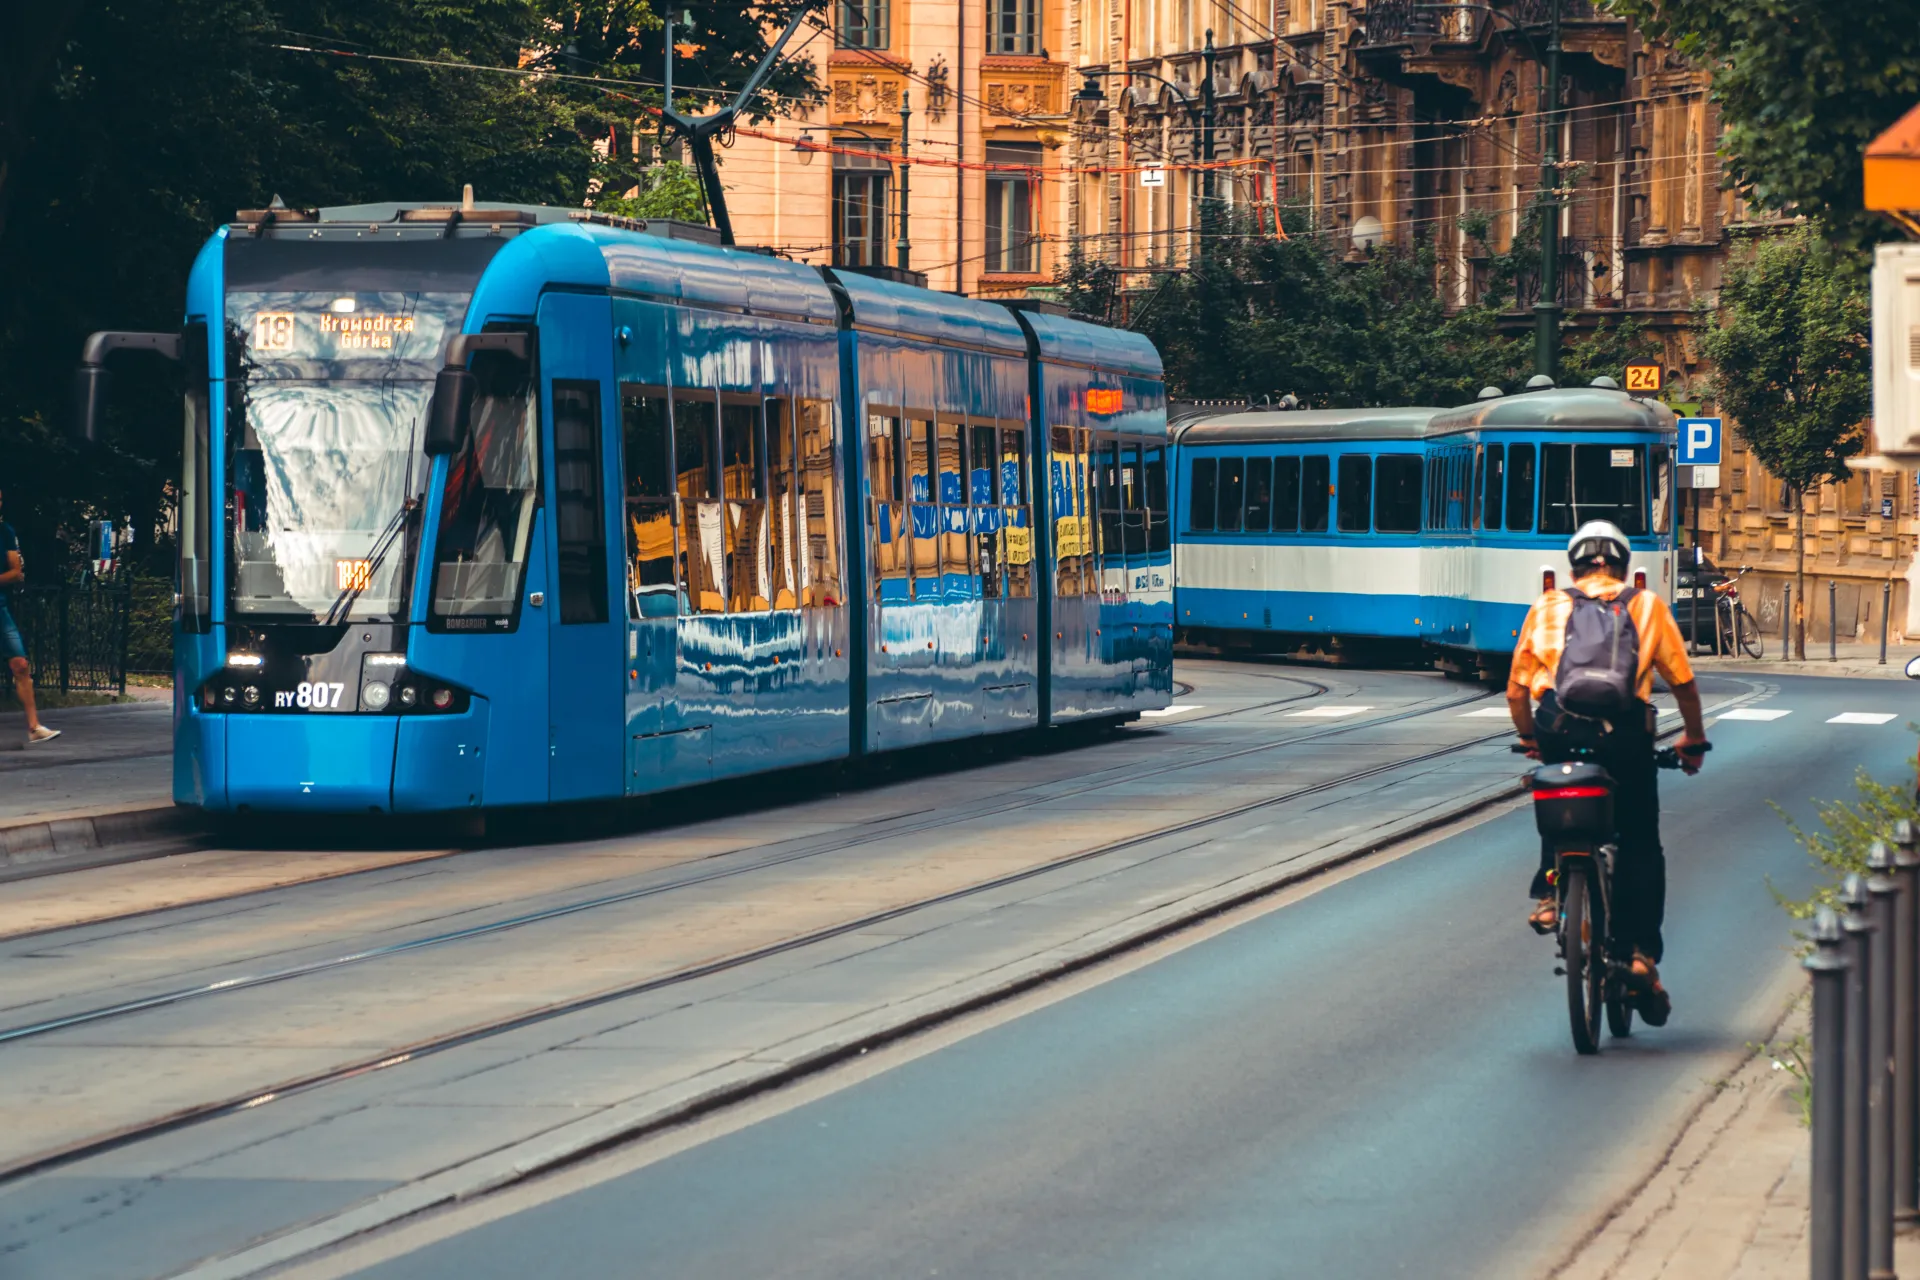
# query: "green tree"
{"type": "Point", "coordinates": [1803, 87]}
{"type": "Point", "coordinates": [665, 190]}
{"type": "Point", "coordinates": [1788, 343]}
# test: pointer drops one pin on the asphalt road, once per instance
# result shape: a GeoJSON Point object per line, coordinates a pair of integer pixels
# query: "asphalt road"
{"type": "Point", "coordinates": [1374, 1081]}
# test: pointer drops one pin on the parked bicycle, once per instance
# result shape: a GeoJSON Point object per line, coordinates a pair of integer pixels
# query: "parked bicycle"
{"type": "Point", "coordinates": [1573, 811]}
{"type": "Point", "coordinates": [1736, 628]}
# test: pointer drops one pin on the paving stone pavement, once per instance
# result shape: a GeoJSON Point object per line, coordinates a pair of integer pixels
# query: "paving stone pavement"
{"type": "Point", "coordinates": [1731, 1200]}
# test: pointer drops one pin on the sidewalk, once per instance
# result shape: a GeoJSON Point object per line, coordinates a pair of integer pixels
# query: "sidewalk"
{"type": "Point", "coordinates": [1730, 1202]}
{"type": "Point", "coordinates": [1854, 660]}
{"type": "Point", "coordinates": [107, 779]}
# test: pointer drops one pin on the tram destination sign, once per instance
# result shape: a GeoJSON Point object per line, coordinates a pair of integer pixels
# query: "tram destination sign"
{"type": "Point", "coordinates": [1644, 379]}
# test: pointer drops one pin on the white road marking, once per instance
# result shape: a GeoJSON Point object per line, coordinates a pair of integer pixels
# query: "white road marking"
{"type": "Point", "coordinates": [1862, 717]}
{"type": "Point", "coordinates": [1486, 713]}
{"type": "Point", "coordinates": [1754, 713]}
{"type": "Point", "coordinates": [1176, 709]}
{"type": "Point", "coordinates": [1329, 713]}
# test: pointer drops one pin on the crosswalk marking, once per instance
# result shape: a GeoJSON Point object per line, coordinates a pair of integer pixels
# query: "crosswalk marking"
{"type": "Point", "coordinates": [1329, 713]}
{"type": "Point", "coordinates": [1176, 709]}
{"type": "Point", "coordinates": [1861, 717]}
{"type": "Point", "coordinates": [1486, 713]}
{"type": "Point", "coordinates": [1754, 713]}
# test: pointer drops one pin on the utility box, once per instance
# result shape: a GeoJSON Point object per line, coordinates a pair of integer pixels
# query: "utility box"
{"type": "Point", "coordinates": [1896, 352]}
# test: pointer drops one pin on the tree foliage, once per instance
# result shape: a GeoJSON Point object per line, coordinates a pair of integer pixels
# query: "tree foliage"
{"type": "Point", "coordinates": [131, 129]}
{"type": "Point", "coordinates": [1252, 316]}
{"type": "Point", "coordinates": [1790, 352]}
{"type": "Point", "coordinates": [1803, 87]}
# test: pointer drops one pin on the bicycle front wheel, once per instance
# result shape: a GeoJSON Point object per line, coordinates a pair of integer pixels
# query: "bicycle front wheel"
{"type": "Point", "coordinates": [1585, 964]}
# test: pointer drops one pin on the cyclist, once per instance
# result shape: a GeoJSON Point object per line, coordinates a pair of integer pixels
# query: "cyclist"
{"type": "Point", "coordinates": [1624, 746]}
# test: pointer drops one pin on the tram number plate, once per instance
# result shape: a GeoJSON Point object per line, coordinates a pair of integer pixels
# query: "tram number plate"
{"type": "Point", "coordinates": [314, 695]}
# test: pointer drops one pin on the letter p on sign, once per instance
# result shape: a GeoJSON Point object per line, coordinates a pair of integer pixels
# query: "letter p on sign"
{"type": "Point", "coordinates": [1699, 442]}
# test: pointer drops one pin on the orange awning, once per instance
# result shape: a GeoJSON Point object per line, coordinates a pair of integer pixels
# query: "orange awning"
{"type": "Point", "coordinates": [1893, 167]}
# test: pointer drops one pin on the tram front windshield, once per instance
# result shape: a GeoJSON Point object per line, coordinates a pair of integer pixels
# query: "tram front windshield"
{"type": "Point", "coordinates": [326, 408]}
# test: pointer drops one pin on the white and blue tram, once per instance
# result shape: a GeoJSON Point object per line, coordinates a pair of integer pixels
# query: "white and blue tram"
{"type": "Point", "coordinates": [1349, 530]}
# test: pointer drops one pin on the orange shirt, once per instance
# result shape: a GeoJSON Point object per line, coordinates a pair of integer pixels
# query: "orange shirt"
{"type": "Point", "coordinates": [1544, 635]}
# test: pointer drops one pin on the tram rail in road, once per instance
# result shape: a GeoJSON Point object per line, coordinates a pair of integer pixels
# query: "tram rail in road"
{"type": "Point", "coordinates": [387, 1058]}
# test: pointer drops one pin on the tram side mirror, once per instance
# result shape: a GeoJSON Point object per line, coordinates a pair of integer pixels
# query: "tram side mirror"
{"type": "Point", "coordinates": [1913, 668]}
{"type": "Point", "coordinates": [448, 415]}
{"type": "Point", "coordinates": [89, 403]}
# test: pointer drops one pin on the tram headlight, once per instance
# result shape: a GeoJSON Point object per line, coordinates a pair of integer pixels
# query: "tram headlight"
{"type": "Point", "coordinates": [442, 699]}
{"type": "Point", "coordinates": [374, 696]}
{"type": "Point", "coordinates": [251, 695]}
{"type": "Point", "coordinates": [228, 694]}
{"type": "Point", "coordinates": [409, 696]}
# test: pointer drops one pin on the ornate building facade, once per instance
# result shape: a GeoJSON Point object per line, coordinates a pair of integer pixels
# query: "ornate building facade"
{"type": "Point", "coordinates": [1041, 125]}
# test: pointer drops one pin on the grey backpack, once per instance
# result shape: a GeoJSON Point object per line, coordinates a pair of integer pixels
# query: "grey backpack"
{"type": "Point", "coordinates": [1600, 664]}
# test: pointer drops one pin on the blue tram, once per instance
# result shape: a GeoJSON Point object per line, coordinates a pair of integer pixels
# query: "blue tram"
{"type": "Point", "coordinates": [509, 505]}
{"type": "Point", "coordinates": [1420, 529]}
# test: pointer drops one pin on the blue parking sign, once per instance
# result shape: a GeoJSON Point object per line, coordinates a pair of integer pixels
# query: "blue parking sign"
{"type": "Point", "coordinates": [1699, 442]}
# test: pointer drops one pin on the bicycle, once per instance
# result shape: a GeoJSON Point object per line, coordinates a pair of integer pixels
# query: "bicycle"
{"type": "Point", "coordinates": [1735, 628]}
{"type": "Point", "coordinates": [1573, 811]}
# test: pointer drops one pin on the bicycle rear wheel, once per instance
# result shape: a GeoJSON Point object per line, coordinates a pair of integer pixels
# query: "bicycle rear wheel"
{"type": "Point", "coordinates": [1580, 932]}
{"type": "Point", "coordinates": [1750, 638]}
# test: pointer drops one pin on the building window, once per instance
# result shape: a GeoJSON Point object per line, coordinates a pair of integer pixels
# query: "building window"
{"type": "Point", "coordinates": [1010, 237]}
{"type": "Point", "coordinates": [860, 202]}
{"type": "Point", "coordinates": [862, 24]}
{"type": "Point", "coordinates": [1013, 26]}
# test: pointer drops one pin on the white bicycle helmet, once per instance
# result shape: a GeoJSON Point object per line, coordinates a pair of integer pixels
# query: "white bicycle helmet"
{"type": "Point", "coordinates": [1599, 540]}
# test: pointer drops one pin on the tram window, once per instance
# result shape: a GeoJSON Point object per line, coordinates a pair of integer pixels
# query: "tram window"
{"type": "Point", "coordinates": [1396, 492]}
{"type": "Point", "coordinates": [1520, 488]}
{"type": "Point", "coordinates": [1316, 492]}
{"type": "Point", "coordinates": [886, 512]}
{"type": "Point", "coordinates": [195, 565]}
{"type": "Point", "coordinates": [1662, 488]}
{"type": "Point", "coordinates": [1200, 494]}
{"type": "Point", "coordinates": [1354, 497]}
{"type": "Point", "coordinates": [1494, 487]}
{"type": "Point", "coordinates": [1259, 517]}
{"type": "Point", "coordinates": [1586, 482]}
{"type": "Point", "coordinates": [782, 522]}
{"type": "Point", "coordinates": [703, 537]}
{"type": "Point", "coordinates": [983, 456]}
{"type": "Point", "coordinates": [581, 525]}
{"type": "Point", "coordinates": [956, 551]}
{"type": "Point", "coordinates": [1479, 479]}
{"type": "Point", "coordinates": [820, 543]}
{"type": "Point", "coordinates": [647, 436]}
{"type": "Point", "coordinates": [748, 580]}
{"type": "Point", "coordinates": [1067, 473]}
{"type": "Point", "coordinates": [486, 514]}
{"type": "Point", "coordinates": [923, 516]}
{"type": "Point", "coordinates": [1153, 468]}
{"type": "Point", "coordinates": [1286, 494]}
{"type": "Point", "coordinates": [1107, 503]}
{"type": "Point", "coordinates": [1232, 486]}
{"type": "Point", "coordinates": [1016, 513]}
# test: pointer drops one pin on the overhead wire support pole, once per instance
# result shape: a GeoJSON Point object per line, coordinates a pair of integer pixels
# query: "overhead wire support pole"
{"type": "Point", "coordinates": [700, 131]}
{"type": "Point", "coordinates": [902, 247]}
{"type": "Point", "coordinates": [1546, 310]}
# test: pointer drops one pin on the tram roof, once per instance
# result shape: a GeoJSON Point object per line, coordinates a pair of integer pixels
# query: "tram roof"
{"type": "Point", "coordinates": [1069, 341]}
{"type": "Point", "coordinates": [1558, 409]}
{"type": "Point", "coordinates": [904, 310]}
{"type": "Point", "coordinates": [1280, 426]}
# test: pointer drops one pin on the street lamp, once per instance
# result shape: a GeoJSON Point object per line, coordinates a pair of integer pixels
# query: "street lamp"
{"type": "Point", "coordinates": [804, 146]}
{"type": "Point", "coordinates": [1091, 95]}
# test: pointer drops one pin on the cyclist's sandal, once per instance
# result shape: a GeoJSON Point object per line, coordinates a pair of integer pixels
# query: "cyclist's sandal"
{"type": "Point", "coordinates": [1650, 999]}
{"type": "Point", "coordinates": [1546, 915]}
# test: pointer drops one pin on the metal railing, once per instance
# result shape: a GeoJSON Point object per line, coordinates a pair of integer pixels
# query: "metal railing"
{"type": "Point", "coordinates": [75, 634]}
{"type": "Point", "coordinates": [1866, 1065]}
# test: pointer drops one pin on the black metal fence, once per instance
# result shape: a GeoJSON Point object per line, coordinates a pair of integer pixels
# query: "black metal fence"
{"type": "Point", "coordinates": [1866, 1066]}
{"type": "Point", "coordinates": [76, 634]}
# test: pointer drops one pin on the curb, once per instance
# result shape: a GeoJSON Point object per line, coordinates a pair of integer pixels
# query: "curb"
{"type": "Point", "coordinates": [37, 845]}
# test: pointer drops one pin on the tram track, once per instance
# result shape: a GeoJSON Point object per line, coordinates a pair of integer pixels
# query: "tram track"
{"type": "Point", "coordinates": [830, 843]}
{"type": "Point", "coordinates": [1314, 688]}
{"type": "Point", "coordinates": [430, 1046]}
{"type": "Point", "coordinates": [101, 1143]}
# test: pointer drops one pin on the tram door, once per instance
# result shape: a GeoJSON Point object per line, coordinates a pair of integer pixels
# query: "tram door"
{"type": "Point", "coordinates": [586, 633]}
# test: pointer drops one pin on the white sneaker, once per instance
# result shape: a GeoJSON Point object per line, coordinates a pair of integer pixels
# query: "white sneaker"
{"type": "Point", "coordinates": [43, 734]}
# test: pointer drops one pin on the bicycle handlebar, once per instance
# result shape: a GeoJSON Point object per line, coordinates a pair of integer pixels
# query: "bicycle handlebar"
{"type": "Point", "coordinates": [1665, 758]}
